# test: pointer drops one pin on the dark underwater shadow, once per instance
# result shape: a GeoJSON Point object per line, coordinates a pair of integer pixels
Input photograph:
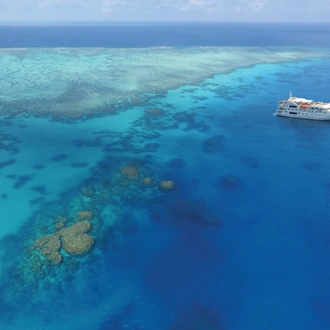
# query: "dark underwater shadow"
{"type": "Point", "coordinates": [122, 320]}
{"type": "Point", "coordinates": [186, 258]}
{"type": "Point", "coordinates": [198, 318]}
{"type": "Point", "coordinates": [192, 210]}
{"type": "Point", "coordinates": [7, 163]}
{"type": "Point", "coordinates": [214, 144]}
{"type": "Point", "coordinates": [22, 180]}
{"type": "Point", "coordinates": [59, 157]}
{"type": "Point", "coordinates": [321, 307]}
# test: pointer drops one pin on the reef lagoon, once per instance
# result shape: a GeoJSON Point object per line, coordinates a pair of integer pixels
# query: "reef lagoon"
{"type": "Point", "coordinates": [151, 187]}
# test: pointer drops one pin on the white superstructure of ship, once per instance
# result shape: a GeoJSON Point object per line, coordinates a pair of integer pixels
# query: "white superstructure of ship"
{"type": "Point", "coordinates": [297, 107]}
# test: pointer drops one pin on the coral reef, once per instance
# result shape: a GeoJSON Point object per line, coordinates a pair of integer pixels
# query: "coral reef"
{"type": "Point", "coordinates": [87, 191]}
{"type": "Point", "coordinates": [82, 215]}
{"type": "Point", "coordinates": [149, 182]}
{"type": "Point", "coordinates": [124, 183]}
{"type": "Point", "coordinates": [130, 172]}
{"type": "Point", "coordinates": [90, 91]}
{"type": "Point", "coordinates": [60, 236]}
{"type": "Point", "coordinates": [74, 238]}
{"type": "Point", "coordinates": [60, 222]}
{"type": "Point", "coordinates": [50, 246]}
{"type": "Point", "coordinates": [166, 184]}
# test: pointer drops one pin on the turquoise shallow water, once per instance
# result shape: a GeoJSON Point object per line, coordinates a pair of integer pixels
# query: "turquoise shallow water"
{"type": "Point", "coordinates": [241, 242]}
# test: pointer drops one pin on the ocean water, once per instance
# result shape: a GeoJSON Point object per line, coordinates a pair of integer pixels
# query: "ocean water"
{"type": "Point", "coordinates": [242, 239]}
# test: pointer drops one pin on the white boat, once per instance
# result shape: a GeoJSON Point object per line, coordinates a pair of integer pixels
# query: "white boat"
{"type": "Point", "coordinates": [296, 107]}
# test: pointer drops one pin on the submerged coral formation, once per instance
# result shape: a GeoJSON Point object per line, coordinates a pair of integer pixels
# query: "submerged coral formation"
{"type": "Point", "coordinates": [60, 222]}
{"type": "Point", "coordinates": [149, 182]}
{"type": "Point", "coordinates": [50, 246]}
{"type": "Point", "coordinates": [130, 172]}
{"type": "Point", "coordinates": [68, 234]}
{"type": "Point", "coordinates": [85, 215]}
{"type": "Point", "coordinates": [72, 239]}
{"type": "Point", "coordinates": [75, 240]}
{"type": "Point", "coordinates": [60, 238]}
{"type": "Point", "coordinates": [166, 184]}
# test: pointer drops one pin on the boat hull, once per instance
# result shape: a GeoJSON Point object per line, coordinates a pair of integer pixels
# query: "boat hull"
{"type": "Point", "coordinates": [307, 117]}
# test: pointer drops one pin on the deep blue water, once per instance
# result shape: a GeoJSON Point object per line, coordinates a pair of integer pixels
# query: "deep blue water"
{"type": "Point", "coordinates": [176, 35]}
{"type": "Point", "coordinates": [241, 242]}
